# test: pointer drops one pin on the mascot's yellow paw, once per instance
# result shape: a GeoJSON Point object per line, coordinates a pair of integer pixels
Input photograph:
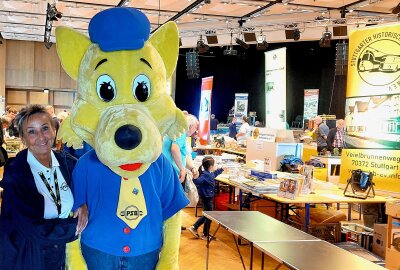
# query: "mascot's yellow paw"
{"type": "Point", "coordinates": [178, 127]}
{"type": "Point", "coordinates": [67, 135]}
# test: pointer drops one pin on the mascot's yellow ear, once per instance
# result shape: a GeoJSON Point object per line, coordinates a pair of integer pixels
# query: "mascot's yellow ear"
{"type": "Point", "coordinates": [166, 42]}
{"type": "Point", "coordinates": [71, 47]}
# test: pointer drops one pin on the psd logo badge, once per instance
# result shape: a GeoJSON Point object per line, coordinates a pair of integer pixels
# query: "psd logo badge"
{"type": "Point", "coordinates": [131, 213]}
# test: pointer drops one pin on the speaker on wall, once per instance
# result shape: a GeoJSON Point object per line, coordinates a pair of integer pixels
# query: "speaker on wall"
{"type": "Point", "coordinates": [249, 36]}
{"type": "Point", "coordinates": [341, 59]}
{"type": "Point", "coordinates": [212, 39]}
{"type": "Point", "coordinates": [340, 30]}
{"type": "Point", "coordinates": [192, 65]}
{"type": "Point", "coordinates": [289, 34]}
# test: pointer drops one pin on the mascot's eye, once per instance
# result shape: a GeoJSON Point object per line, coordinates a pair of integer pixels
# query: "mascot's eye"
{"type": "Point", "coordinates": [106, 88]}
{"type": "Point", "coordinates": [141, 88]}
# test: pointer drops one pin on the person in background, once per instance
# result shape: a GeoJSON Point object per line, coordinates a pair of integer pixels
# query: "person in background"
{"type": "Point", "coordinates": [50, 110]}
{"type": "Point", "coordinates": [176, 151]}
{"type": "Point", "coordinates": [35, 220]}
{"type": "Point", "coordinates": [6, 110]}
{"type": "Point", "coordinates": [213, 125]}
{"type": "Point", "coordinates": [206, 187]}
{"type": "Point", "coordinates": [232, 128]}
{"type": "Point", "coordinates": [322, 131]}
{"type": "Point", "coordinates": [193, 124]}
{"type": "Point", "coordinates": [335, 136]}
{"type": "Point", "coordinates": [62, 115]}
{"type": "Point", "coordinates": [12, 129]}
{"type": "Point", "coordinates": [5, 124]}
{"type": "Point", "coordinates": [244, 131]}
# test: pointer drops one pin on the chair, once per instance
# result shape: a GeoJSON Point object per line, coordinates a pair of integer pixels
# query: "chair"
{"type": "Point", "coordinates": [298, 122]}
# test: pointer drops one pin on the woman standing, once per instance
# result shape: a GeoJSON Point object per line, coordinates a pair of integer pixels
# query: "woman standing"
{"type": "Point", "coordinates": [35, 221]}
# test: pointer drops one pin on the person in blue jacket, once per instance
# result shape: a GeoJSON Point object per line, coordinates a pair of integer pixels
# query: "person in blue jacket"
{"type": "Point", "coordinates": [206, 187]}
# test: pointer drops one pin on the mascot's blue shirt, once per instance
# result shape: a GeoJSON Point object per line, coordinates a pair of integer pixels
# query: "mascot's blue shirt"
{"type": "Point", "coordinates": [98, 186]}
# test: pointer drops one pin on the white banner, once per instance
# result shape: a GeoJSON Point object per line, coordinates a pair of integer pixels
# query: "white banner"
{"type": "Point", "coordinates": [241, 103]}
{"type": "Point", "coordinates": [275, 88]}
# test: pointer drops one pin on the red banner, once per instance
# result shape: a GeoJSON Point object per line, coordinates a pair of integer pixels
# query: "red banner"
{"type": "Point", "coordinates": [205, 110]}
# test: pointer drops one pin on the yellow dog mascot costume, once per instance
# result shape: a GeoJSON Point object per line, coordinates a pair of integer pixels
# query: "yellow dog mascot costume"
{"type": "Point", "coordinates": [123, 111]}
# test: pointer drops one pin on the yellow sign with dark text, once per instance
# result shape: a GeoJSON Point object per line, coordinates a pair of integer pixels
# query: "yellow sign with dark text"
{"type": "Point", "coordinates": [384, 165]}
{"type": "Point", "coordinates": [372, 137]}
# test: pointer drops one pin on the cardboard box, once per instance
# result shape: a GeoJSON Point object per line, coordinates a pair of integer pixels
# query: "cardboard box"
{"type": "Point", "coordinates": [379, 239]}
{"type": "Point", "coordinates": [392, 259]}
{"type": "Point", "coordinates": [393, 209]}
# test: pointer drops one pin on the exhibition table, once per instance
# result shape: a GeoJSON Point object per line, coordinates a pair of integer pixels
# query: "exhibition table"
{"type": "Point", "coordinates": [314, 255]}
{"type": "Point", "coordinates": [283, 243]}
{"type": "Point", "coordinates": [254, 226]}
{"type": "Point", "coordinates": [209, 148]}
{"type": "Point", "coordinates": [323, 197]}
{"type": "Point", "coordinates": [320, 196]}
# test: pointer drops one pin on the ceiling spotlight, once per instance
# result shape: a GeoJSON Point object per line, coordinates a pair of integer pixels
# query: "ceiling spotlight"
{"type": "Point", "coordinates": [52, 13]}
{"type": "Point", "coordinates": [123, 3]}
{"type": "Point", "coordinates": [201, 46]}
{"type": "Point", "coordinates": [229, 50]}
{"type": "Point", "coordinates": [262, 44]}
{"type": "Point", "coordinates": [325, 40]}
{"type": "Point", "coordinates": [296, 34]}
{"type": "Point", "coordinates": [242, 44]}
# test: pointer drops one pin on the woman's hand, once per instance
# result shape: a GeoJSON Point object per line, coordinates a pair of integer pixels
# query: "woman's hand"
{"type": "Point", "coordinates": [182, 175]}
{"type": "Point", "coordinates": [195, 173]}
{"type": "Point", "coordinates": [82, 214]}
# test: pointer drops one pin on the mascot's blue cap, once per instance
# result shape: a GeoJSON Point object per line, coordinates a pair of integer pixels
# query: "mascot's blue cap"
{"type": "Point", "coordinates": [119, 28]}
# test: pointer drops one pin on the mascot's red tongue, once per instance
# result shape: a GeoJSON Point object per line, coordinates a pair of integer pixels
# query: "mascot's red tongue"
{"type": "Point", "coordinates": [131, 167]}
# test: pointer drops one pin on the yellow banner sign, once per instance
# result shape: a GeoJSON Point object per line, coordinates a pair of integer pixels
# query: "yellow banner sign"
{"type": "Point", "coordinates": [374, 61]}
{"type": "Point", "coordinates": [384, 165]}
{"type": "Point", "coordinates": [372, 120]}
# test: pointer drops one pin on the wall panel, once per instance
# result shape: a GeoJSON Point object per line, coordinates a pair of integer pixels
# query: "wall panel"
{"type": "Point", "coordinates": [15, 97]}
{"type": "Point", "coordinates": [38, 97]}
{"type": "Point", "coordinates": [20, 66]}
{"type": "Point", "coordinates": [47, 67]}
{"type": "Point", "coordinates": [63, 98]}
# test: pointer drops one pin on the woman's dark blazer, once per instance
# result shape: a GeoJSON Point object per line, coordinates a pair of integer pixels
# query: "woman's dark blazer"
{"type": "Point", "coordinates": [24, 233]}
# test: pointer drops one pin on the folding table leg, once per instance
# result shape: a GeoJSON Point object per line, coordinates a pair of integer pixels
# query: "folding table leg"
{"type": "Point", "coordinates": [208, 244]}
{"type": "Point", "coordinates": [251, 255]}
{"type": "Point", "coordinates": [240, 254]}
{"type": "Point", "coordinates": [262, 260]}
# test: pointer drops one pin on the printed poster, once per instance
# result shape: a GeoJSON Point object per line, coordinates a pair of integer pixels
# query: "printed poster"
{"type": "Point", "coordinates": [241, 104]}
{"type": "Point", "coordinates": [310, 103]}
{"type": "Point", "coordinates": [372, 113]}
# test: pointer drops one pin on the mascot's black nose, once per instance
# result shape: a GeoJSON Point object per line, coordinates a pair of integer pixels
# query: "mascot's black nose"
{"type": "Point", "coordinates": [128, 137]}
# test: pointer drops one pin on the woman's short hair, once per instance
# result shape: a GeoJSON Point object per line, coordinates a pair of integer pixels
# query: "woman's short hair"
{"type": "Point", "coordinates": [5, 120]}
{"type": "Point", "coordinates": [27, 112]}
{"type": "Point", "coordinates": [244, 118]}
{"type": "Point", "coordinates": [12, 110]}
{"type": "Point", "coordinates": [191, 120]}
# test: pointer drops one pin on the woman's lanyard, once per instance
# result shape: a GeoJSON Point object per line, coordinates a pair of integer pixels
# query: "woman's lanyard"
{"type": "Point", "coordinates": [56, 198]}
